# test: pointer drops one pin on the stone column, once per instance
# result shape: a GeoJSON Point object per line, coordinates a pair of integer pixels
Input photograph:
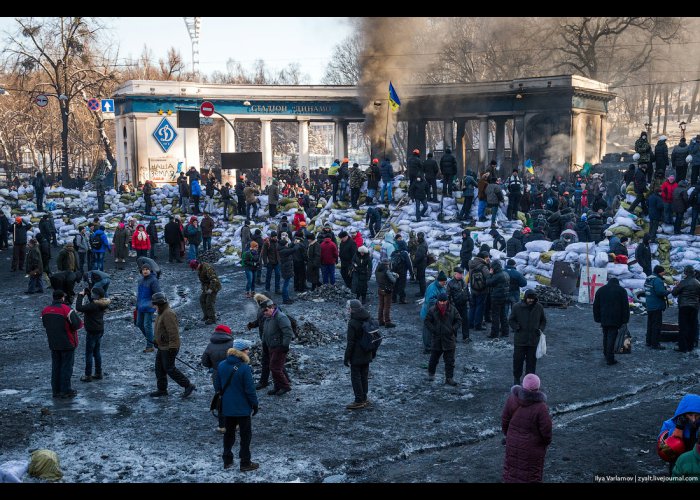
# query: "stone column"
{"type": "Point", "coordinates": [483, 141]}
{"type": "Point", "coordinates": [266, 148]}
{"type": "Point", "coordinates": [341, 139]}
{"type": "Point", "coordinates": [501, 145]}
{"type": "Point", "coordinates": [578, 138]}
{"type": "Point", "coordinates": [139, 167]}
{"type": "Point", "coordinates": [603, 136]}
{"type": "Point", "coordinates": [448, 134]}
{"type": "Point", "coordinates": [303, 162]}
{"type": "Point", "coordinates": [416, 137]}
{"type": "Point", "coordinates": [228, 145]}
{"type": "Point", "coordinates": [459, 147]}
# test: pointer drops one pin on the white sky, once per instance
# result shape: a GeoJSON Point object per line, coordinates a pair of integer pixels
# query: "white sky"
{"type": "Point", "coordinates": [278, 41]}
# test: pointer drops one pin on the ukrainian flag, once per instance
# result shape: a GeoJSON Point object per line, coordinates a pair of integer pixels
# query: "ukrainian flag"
{"type": "Point", "coordinates": [394, 100]}
{"type": "Point", "coordinates": [529, 166]}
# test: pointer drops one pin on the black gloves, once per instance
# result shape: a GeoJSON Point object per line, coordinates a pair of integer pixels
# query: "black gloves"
{"type": "Point", "coordinates": [346, 362]}
{"type": "Point", "coordinates": [285, 349]}
{"type": "Point", "coordinates": [250, 325]}
{"type": "Point", "coordinates": [255, 410]}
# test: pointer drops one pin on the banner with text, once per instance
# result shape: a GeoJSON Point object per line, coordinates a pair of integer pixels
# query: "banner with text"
{"type": "Point", "coordinates": [163, 170]}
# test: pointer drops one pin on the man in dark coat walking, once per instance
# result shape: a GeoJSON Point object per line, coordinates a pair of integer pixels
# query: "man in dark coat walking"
{"type": "Point", "coordinates": [19, 243]}
{"type": "Point", "coordinates": [448, 168]}
{"type": "Point", "coordinates": [611, 309]}
{"type": "Point", "coordinates": [442, 322]}
{"type": "Point", "coordinates": [62, 324]}
{"type": "Point", "coordinates": [431, 169]}
{"type": "Point", "coordinates": [643, 254]}
{"type": "Point", "coordinates": [414, 166]}
{"type": "Point", "coordinates": [152, 231]}
{"type": "Point", "coordinates": [173, 237]}
{"type": "Point", "coordinates": [356, 357]}
{"type": "Point", "coordinates": [465, 253]}
{"type": "Point", "coordinates": [499, 286]}
{"type": "Point", "coordinates": [527, 320]}
{"type": "Point", "coordinates": [39, 184]}
{"type": "Point", "coordinates": [347, 250]}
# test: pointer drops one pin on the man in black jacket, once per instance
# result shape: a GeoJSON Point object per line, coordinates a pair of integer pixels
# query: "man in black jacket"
{"type": "Point", "coordinates": [611, 309]}
{"type": "Point", "coordinates": [643, 254]}
{"type": "Point", "coordinates": [62, 324]}
{"type": "Point", "coordinates": [458, 291]}
{"type": "Point", "coordinates": [442, 322]}
{"type": "Point", "coordinates": [39, 184]}
{"type": "Point", "coordinates": [240, 186]}
{"type": "Point", "coordinates": [385, 285]}
{"type": "Point", "coordinates": [173, 237]}
{"type": "Point", "coordinates": [152, 231]}
{"type": "Point", "coordinates": [414, 165]}
{"type": "Point", "coordinates": [527, 319]}
{"type": "Point", "coordinates": [357, 358]}
{"type": "Point", "coordinates": [431, 169]}
{"type": "Point", "coordinates": [94, 311]}
{"type": "Point", "coordinates": [4, 230]}
{"type": "Point", "coordinates": [417, 191]}
{"type": "Point", "coordinates": [688, 293]}
{"type": "Point", "coordinates": [19, 243]}
{"type": "Point", "coordinates": [640, 186]}
{"type": "Point", "coordinates": [346, 251]}
{"type": "Point", "coordinates": [515, 244]}
{"type": "Point", "coordinates": [420, 262]}
{"type": "Point", "coordinates": [448, 167]}
{"type": "Point", "coordinates": [465, 253]}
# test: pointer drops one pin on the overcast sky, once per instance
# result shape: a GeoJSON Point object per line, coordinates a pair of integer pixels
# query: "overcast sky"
{"type": "Point", "coordinates": [278, 41]}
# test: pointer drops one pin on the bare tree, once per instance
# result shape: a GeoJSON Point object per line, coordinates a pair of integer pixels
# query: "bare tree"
{"type": "Point", "coordinates": [344, 67]}
{"type": "Point", "coordinates": [60, 49]}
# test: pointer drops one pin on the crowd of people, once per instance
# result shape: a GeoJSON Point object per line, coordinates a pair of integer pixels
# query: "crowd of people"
{"type": "Point", "coordinates": [565, 210]}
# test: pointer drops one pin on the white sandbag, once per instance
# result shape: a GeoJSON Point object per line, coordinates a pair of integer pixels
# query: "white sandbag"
{"type": "Point", "coordinates": [601, 259]}
{"type": "Point", "coordinates": [548, 266]}
{"type": "Point", "coordinates": [538, 246]}
{"type": "Point", "coordinates": [621, 212]}
{"type": "Point", "coordinates": [522, 255]}
{"type": "Point", "coordinates": [557, 256]}
{"type": "Point", "coordinates": [617, 269]}
{"type": "Point", "coordinates": [586, 259]}
{"type": "Point", "coordinates": [624, 221]}
{"type": "Point", "coordinates": [581, 247]}
{"type": "Point", "coordinates": [533, 258]}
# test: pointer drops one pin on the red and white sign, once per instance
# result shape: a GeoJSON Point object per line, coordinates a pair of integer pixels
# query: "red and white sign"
{"type": "Point", "coordinates": [592, 279]}
{"type": "Point", "coordinates": [207, 108]}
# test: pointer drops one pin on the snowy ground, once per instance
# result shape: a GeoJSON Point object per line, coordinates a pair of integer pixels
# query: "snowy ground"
{"type": "Point", "coordinates": [606, 418]}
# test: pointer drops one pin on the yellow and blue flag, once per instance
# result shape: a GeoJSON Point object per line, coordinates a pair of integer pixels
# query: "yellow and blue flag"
{"type": "Point", "coordinates": [529, 166]}
{"type": "Point", "coordinates": [394, 100]}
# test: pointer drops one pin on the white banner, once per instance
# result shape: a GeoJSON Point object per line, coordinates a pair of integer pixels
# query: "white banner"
{"type": "Point", "coordinates": [164, 170]}
{"type": "Point", "coordinates": [592, 278]}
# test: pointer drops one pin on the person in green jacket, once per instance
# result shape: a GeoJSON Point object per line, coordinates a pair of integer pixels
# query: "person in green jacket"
{"type": "Point", "coordinates": [688, 464]}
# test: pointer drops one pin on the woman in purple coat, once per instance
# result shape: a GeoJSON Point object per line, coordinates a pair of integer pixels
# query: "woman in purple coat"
{"type": "Point", "coordinates": [528, 429]}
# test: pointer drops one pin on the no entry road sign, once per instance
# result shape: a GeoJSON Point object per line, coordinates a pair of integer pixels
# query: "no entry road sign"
{"type": "Point", "coordinates": [207, 108]}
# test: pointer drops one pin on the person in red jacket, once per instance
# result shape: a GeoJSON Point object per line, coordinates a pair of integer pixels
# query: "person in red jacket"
{"type": "Point", "coordinates": [357, 237]}
{"type": "Point", "coordinates": [298, 217]}
{"type": "Point", "coordinates": [526, 423]}
{"type": "Point", "coordinates": [140, 241]}
{"type": "Point", "coordinates": [667, 189]}
{"type": "Point", "coordinates": [329, 258]}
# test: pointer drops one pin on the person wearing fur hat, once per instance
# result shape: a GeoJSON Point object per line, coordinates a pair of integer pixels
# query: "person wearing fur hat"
{"type": "Point", "coordinates": [239, 402]}
{"type": "Point", "coordinates": [360, 272]}
{"type": "Point", "coordinates": [356, 357]}
{"type": "Point", "coordinates": [194, 237]}
{"type": "Point", "coordinates": [94, 311]}
{"type": "Point", "coordinates": [527, 320]}
{"type": "Point", "coordinates": [210, 287]}
{"type": "Point", "coordinates": [527, 426]}
{"type": "Point", "coordinates": [442, 322]}
{"type": "Point", "coordinates": [219, 343]}
{"type": "Point", "coordinates": [167, 340]}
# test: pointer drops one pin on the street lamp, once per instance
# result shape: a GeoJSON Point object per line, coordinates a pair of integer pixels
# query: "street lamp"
{"type": "Point", "coordinates": [648, 127]}
{"type": "Point", "coordinates": [682, 127]}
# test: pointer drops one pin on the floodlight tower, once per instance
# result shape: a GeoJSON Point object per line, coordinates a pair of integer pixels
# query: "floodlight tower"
{"type": "Point", "coordinates": [193, 24]}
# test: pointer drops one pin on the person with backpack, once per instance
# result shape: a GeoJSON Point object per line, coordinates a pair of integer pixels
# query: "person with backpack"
{"type": "Point", "coordinates": [62, 324]}
{"type": "Point", "coordinates": [81, 242]}
{"type": "Point", "coordinates": [478, 273]}
{"type": "Point", "coordinates": [216, 352]}
{"type": "Point", "coordinates": [94, 311]}
{"type": "Point", "coordinates": [356, 356]}
{"type": "Point", "coordinates": [361, 271]}
{"type": "Point", "coordinates": [442, 322]}
{"type": "Point", "coordinates": [239, 402]}
{"type": "Point", "coordinates": [277, 334]}
{"type": "Point", "coordinates": [515, 191]}
{"type": "Point", "coordinates": [99, 244]}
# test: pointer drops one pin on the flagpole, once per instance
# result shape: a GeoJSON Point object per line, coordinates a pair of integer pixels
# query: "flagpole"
{"type": "Point", "coordinates": [386, 130]}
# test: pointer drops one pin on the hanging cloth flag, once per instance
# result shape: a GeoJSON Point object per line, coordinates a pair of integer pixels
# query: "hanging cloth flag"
{"type": "Point", "coordinates": [179, 167]}
{"type": "Point", "coordinates": [394, 100]}
{"type": "Point", "coordinates": [529, 166]}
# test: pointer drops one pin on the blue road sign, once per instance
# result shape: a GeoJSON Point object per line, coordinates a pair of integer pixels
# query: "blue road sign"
{"type": "Point", "coordinates": [108, 105]}
{"type": "Point", "coordinates": [165, 134]}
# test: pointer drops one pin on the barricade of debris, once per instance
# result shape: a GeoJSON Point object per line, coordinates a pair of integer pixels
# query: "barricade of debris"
{"type": "Point", "coordinates": [549, 296]}
{"type": "Point", "coordinates": [328, 293]}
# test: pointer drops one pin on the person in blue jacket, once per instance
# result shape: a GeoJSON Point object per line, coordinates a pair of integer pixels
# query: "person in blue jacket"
{"type": "Point", "coordinates": [196, 192]}
{"type": "Point", "coordinates": [148, 285]}
{"type": "Point", "coordinates": [99, 253]}
{"type": "Point", "coordinates": [656, 293]}
{"type": "Point", "coordinates": [680, 433]}
{"type": "Point", "coordinates": [239, 402]}
{"type": "Point", "coordinates": [517, 281]}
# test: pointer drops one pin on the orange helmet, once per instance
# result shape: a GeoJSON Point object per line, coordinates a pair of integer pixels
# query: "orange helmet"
{"type": "Point", "coordinates": [416, 151]}
{"type": "Point", "coordinates": [374, 160]}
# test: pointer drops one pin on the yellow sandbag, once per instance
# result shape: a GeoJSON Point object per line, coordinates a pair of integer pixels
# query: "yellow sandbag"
{"type": "Point", "coordinates": [630, 188]}
{"type": "Point", "coordinates": [543, 280]}
{"type": "Point", "coordinates": [291, 205]}
{"type": "Point", "coordinates": [522, 218]}
{"type": "Point", "coordinates": [639, 234]}
{"type": "Point", "coordinates": [357, 217]}
{"type": "Point", "coordinates": [44, 464]}
{"type": "Point", "coordinates": [546, 256]}
{"type": "Point", "coordinates": [341, 223]}
{"type": "Point", "coordinates": [395, 228]}
{"type": "Point", "coordinates": [622, 231]}
{"type": "Point", "coordinates": [285, 200]}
